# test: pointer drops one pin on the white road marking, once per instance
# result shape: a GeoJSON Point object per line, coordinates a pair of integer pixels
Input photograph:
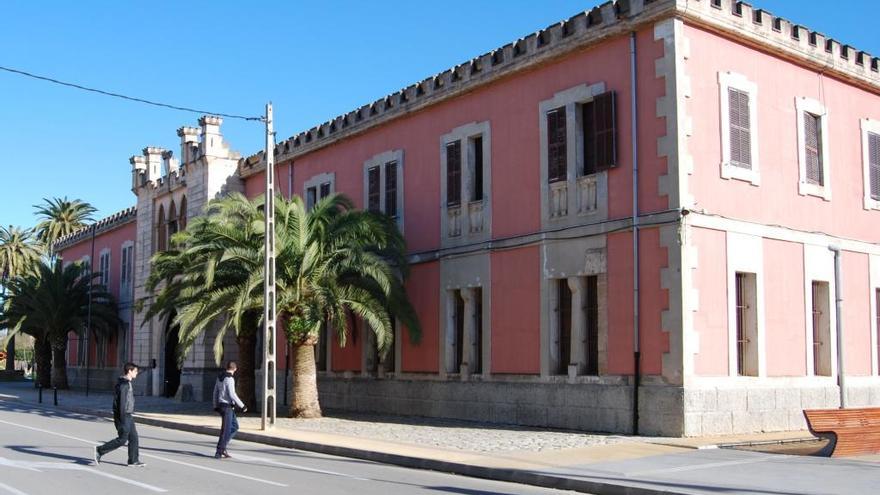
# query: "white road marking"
{"type": "Point", "coordinates": [63, 466]}
{"type": "Point", "coordinates": [273, 462]}
{"type": "Point", "coordinates": [12, 490]}
{"type": "Point", "coordinates": [195, 466]}
{"type": "Point", "coordinates": [694, 467]}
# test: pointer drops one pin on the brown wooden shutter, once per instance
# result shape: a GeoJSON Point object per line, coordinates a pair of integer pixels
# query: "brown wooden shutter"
{"type": "Point", "coordinates": [373, 189]}
{"type": "Point", "coordinates": [477, 193]}
{"type": "Point", "coordinates": [453, 173]}
{"type": "Point", "coordinates": [556, 150]}
{"type": "Point", "coordinates": [813, 149]}
{"type": "Point", "coordinates": [600, 133]}
{"type": "Point", "coordinates": [874, 164]}
{"type": "Point", "coordinates": [391, 189]}
{"type": "Point", "coordinates": [740, 128]}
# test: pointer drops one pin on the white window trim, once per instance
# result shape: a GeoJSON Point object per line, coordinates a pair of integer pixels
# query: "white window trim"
{"type": "Point", "coordinates": [727, 80]}
{"type": "Point", "coordinates": [380, 161]}
{"type": "Point", "coordinates": [819, 266]}
{"type": "Point", "coordinates": [464, 133]}
{"type": "Point", "coordinates": [816, 108]}
{"type": "Point", "coordinates": [745, 254]}
{"type": "Point", "coordinates": [571, 99]}
{"type": "Point", "coordinates": [316, 181]}
{"type": "Point", "coordinates": [105, 275]}
{"type": "Point", "coordinates": [866, 126]}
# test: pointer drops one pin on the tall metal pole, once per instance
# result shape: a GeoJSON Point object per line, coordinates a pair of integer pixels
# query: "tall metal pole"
{"type": "Point", "coordinates": [838, 297]}
{"type": "Point", "coordinates": [89, 315]}
{"type": "Point", "coordinates": [269, 376]}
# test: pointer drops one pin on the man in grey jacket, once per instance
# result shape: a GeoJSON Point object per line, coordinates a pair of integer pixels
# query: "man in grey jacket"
{"type": "Point", "coordinates": [123, 419]}
{"type": "Point", "coordinates": [225, 401]}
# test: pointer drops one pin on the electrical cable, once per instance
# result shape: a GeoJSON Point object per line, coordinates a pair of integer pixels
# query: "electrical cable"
{"type": "Point", "coordinates": [125, 97]}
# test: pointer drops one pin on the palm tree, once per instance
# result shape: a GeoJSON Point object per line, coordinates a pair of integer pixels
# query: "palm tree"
{"type": "Point", "coordinates": [333, 263]}
{"type": "Point", "coordinates": [60, 217]}
{"type": "Point", "coordinates": [54, 302]}
{"type": "Point", "coordinates": [19, 255]}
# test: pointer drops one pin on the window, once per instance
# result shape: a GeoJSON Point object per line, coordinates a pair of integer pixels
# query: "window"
{"type": "Point", "coordinates": [739, 128]}
{"type": "Point", "coordinates": [821, 326]}
{"type": "Point", "coordinates": [746, 324]}
{"type": "Point", "coordinates": [578, 325]}
{"type": "Point", "coordinates": [459, 329]}
{"type": "Point", "coordinates": [476, 167]}
{"type": "Point", "coordinates": [383, 188]}
{"type": "Point", "coordinates": [125, 272]}
{"type": "Point", "coordinates": [870, 130]}
{"type": "Point", "coordinates": [813, 162]}
{"type": "Point", "coordinates": [104, 264]}
{"type": "Point", "coordinates": [557, 160]}
{"type": "Point", "coordinates": [161, 230]}
{"type": "Point", "coordinates": [374, 194]}
{"type": "Point", "coordinates": [465, 165]}
{"type": "Point", "coordinates": [453, 173]}
{"type": "Point", "coordinates": [318, 187]}
{"type": "Point", "coordinates": [600, 133]}
{"type": "Point", "coordinates": [391, 189]}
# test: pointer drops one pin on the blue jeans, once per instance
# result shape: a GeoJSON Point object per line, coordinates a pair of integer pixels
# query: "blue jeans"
{"type": "Point", "coordinates": [229, 427]}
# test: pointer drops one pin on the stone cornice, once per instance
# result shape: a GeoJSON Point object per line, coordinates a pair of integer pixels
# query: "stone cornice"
{"type": "Point", "coordinates": [754, 26]}
{"type": "Point", "coordinates": [105, 224]}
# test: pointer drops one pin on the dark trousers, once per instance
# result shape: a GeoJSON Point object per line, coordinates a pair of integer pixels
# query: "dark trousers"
{"type": "Point", "coordinates": [127, 432]}
{"type": "Point", "coordinates": [228, 428]}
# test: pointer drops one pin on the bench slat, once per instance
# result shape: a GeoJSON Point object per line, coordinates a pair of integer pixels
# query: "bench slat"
{"type": "Point", "coordinates": [856, 430]}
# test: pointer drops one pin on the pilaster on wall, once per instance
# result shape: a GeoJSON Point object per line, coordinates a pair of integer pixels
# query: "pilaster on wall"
{"type": "Point", "coordinates": [676, 278]}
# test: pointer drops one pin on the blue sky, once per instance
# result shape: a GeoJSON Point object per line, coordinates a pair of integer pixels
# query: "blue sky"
{"type": "Point", "coordinates": [314, 60]}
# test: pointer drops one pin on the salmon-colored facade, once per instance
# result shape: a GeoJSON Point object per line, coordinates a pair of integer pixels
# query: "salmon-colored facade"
{"type": "Point", "coordinates": [733, 145]}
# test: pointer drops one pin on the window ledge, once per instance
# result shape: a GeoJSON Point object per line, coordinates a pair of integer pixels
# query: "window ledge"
{"type": "Point", "coordinates": [807, 189]}
{"type": "Point", "coordinates": [731, 171]}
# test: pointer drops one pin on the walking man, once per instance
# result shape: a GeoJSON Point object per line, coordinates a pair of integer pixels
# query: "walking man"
{"type": "Point", "coordinates": [123, 419]}
{"type": "Point", "coordinates": [225, 400]}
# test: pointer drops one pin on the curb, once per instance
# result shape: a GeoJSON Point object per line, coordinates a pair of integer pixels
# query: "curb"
{"type": "Point", "coordinates": [470, 470]}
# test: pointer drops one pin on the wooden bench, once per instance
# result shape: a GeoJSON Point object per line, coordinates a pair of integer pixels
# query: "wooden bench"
{"type": "Point", "coordinates": [852, 431]}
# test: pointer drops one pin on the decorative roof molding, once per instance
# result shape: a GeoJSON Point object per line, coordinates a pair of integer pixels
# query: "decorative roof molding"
{"type": "Point", "coordinates": [105, 224]}
{"type": "Point", "coordinates": [613, 18]}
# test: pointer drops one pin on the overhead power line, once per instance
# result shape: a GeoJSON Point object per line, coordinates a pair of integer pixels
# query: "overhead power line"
{"type": "Point", "coordinates": [125, 97]}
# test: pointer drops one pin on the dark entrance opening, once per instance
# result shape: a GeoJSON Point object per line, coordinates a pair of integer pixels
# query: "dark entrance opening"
{"type": "Point", "coordinates": [172, 371]}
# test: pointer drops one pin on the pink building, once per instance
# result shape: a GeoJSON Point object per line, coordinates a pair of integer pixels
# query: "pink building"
{"type": "Point", "coordinates": [715, 131]}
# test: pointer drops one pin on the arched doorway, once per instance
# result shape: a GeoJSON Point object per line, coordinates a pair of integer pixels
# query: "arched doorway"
{"type": "Point", "coordinates": [172, 372]}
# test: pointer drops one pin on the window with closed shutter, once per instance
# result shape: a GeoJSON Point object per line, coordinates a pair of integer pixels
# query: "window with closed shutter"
{"type": "Point", "coordinates": [391, 189]}
{"type": "Point", "coordinates": [325, 190]}
{"type": "Point", "coordinates": [477, 192]}
{"type": "Point", "coordinates": [556, 149]}
{"type": "Point", "coordinates": [311, 197]}
{"type": "Point", "coordinates": [453, 173]}
{"type": "Point", "coordinates": [600, 133]}
{"type": "Point", "coordinates": [813, 149]}
{"type": "Point", "coordinates": [874, 164]}
{"type": "Point", "coordinates": [740, 128]}
{"type": "Point", "coordinates": [373, 189]}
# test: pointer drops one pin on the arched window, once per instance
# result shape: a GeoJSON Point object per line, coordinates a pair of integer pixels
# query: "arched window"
{"type": "Point", "coordinates": [181, 222]}
{"type": "Point", "coordinates": [161, 230]}
{"type": "Point", "coordinates": [172, 220]}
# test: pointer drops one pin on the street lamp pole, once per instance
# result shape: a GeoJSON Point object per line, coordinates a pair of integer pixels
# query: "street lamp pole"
{"type": "Point", "coordinates": [89, 316]}
{"type": "Point", "coordinates": [269, 317]}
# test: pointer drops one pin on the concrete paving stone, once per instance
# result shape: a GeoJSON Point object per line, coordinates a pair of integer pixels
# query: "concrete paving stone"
{"type": "Point", "coordinates": [717, 423]}
{"type": "Point", "coordinates": [796, 419]}
{"type": "Point", "coordinates": [774, 421]}
{"type": "Point", "coordinates": [858, 396]}
{"type": "Point", "coordinates": [531, 415]}
{"type": "Point", "coordinates": [747, 421]}
{"type": "Point", "coordinates": [812, 398]}
{"type": "Point", "coordinates": [586, 396]}
{"type": "Point", "coordinates": [832, 397]}
{"type": "Point", "coordinates": [693, 424]}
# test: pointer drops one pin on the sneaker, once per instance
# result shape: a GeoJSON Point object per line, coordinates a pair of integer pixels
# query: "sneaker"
{"type": "Point", "coordinates": [97, 456]}
{"type": "Point", "coordinates": [226, 455]}
{"type": "Point", "coordinates": [136, 464]}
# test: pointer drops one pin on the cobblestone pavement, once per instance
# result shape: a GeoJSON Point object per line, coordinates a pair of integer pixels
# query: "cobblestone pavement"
{"type": "Point", "coordinates": [429, 432]}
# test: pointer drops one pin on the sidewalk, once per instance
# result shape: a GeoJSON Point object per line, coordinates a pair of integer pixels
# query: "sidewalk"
{"type": "Point", "coordinates": [590, 463]}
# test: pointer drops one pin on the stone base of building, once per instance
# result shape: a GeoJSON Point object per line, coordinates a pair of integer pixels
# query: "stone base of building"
{"type": "Point", "coordinates": [100, 379]}
{"type": "Point", "coordinates": [585, 406]}
{"type": "Point", "coordinates": [746, 407]}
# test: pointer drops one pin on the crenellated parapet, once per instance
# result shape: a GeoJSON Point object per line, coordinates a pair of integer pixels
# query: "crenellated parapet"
{"type": "Point", "coordinates": [103, 225]}
{"type": "Point", "coordinates": [732, 18]}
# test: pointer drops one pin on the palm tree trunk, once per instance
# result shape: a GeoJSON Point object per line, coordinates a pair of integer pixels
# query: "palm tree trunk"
{"type": "Point", "coordinates": [304, 403]}
{"type": "Point", "coordinates": [43, 358]}
{"type": "Point", "coordinates": [247, 378]}
{"type": "Point", "coordinates": [59, 363]}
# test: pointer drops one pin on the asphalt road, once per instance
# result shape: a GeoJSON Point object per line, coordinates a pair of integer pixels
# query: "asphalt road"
{"type": "Point", "coordinates": [45, 451]}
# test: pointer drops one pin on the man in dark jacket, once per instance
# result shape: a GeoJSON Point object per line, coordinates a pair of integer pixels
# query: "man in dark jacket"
{"type": "Point", "coordinates": [225, 401]}
{"type": "Point", "coordinates": [123, 419]}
